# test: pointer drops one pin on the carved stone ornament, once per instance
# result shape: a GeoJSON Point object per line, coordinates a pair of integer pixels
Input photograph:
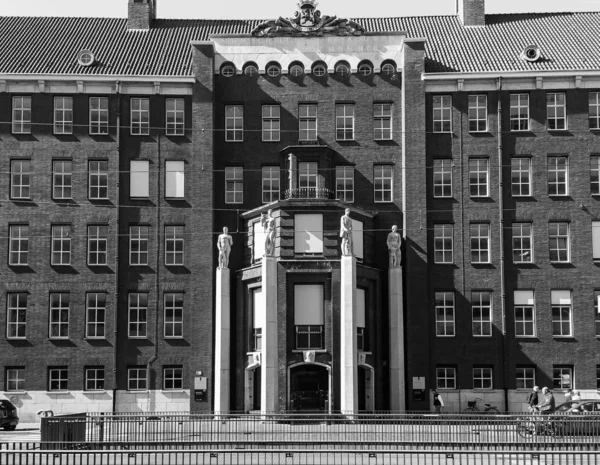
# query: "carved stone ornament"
{"type": "Point", "coordinates": [307, 21]}
{"type": "Point", "coordinates": [309, 356]}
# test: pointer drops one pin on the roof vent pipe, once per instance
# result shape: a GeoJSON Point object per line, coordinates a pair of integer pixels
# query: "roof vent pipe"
{"type": "Point", "coordinates": [531, 53]}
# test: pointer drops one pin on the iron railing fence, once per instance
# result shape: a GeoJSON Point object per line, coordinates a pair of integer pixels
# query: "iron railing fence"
{"type": "Point", "coordinates": [292, 457]}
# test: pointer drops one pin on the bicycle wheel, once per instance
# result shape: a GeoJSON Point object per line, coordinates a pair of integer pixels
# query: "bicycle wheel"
{"type": "Point", "coordinates": [526, 428]}
{"type": "Point", "coordinates": [469, 410]}
{"type": "Point", "coordinates": [492, 411]}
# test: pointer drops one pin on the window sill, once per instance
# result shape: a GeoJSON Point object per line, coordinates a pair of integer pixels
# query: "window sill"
{"type": "Point", "coordinates": [58, 393]}
{"type": "Point", "coordinates": [94, 391]}
{"type": "Point", "coordinates": [16, 338]}
{"type": "Point", "coordinates": [94, 338]}
{"type": "Point", "coordinates": [14, 393]}
{"type": "Point", "coordinates": [174, 391]}
{"type": "Point", "coordinates": [58, 338]}
{"type": "Point", "coordinates": [174, 338]}
{"type": "Point", "coordinates": [316, 351]}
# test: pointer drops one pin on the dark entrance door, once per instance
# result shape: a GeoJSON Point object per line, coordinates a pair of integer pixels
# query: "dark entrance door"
{"type": "Point", "coordinates": [309, 388]}
{"type": "Point", "coordinates": [256, 399]}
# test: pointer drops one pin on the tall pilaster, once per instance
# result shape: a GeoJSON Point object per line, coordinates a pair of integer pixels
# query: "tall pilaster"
{"type": "Point", "coordinates": [222, 341]}
{"type": "Point", "coordinates": [397, 376]}
{"type": "Point", "coordinates": [348, 355]}
{"type": "Point", "coordinates": [269, 372]}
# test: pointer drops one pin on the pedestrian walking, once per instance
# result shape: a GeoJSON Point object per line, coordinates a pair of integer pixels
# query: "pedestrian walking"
{"type": "Point", "coordinates": [548, 403]}
{"type": "Point", "coordinates": [532, 399]}
{"type": "Point", "coordinates": [438, 402]}
{"type": "Point", "coordinates": [569, 395]}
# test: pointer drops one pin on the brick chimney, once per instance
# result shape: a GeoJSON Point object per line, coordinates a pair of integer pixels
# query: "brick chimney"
{"type": "Point", "coordinates": [471, 12]}
{"type": "Point", "coordinates": [140, 14]}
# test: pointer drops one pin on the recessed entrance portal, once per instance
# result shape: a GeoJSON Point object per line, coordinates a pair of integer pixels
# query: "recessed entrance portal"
{"type": "Point", "coordinates": [309, 388]}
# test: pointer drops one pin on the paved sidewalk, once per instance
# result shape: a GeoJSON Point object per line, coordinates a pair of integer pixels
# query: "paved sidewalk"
{"type": "Point", "coordinates": [28, 426]}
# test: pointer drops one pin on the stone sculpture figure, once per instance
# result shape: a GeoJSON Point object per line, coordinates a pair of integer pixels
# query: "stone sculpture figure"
{"type": "Point", "coordinates": [224, 243]}
{"type": "Point", "coordinates": [394, 242]}
{"type": "Point", "coordinates": [268, 223]}
{"type": "Point", "coordinates": [346, 233]}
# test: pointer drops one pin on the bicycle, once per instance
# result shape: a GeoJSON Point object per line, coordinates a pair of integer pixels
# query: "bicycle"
{"type": "Point", "coordinates": [538, 425]}
{"type": "Point", "coordinates": [472, 407]}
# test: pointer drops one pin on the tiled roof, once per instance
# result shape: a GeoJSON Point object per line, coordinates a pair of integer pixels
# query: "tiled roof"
{"type": "Point", "coordinates": [46, 45]}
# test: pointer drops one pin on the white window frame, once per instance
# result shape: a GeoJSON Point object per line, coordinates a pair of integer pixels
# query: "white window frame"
{"type": "Point", "coordinates": [20, 179]}
{"type": "Point", "coordinates": [344, 183]}
{"type": "Point", "coordinates": [98, 115]}
{"type": "Point", "coordinates": [174, 179]}
{"type": "Point", "coordinates": [556, 111]}
{"type": "Point", "coordinates": [558, 176]}
{"type": "Point", "coordinates": [308, 240]}
{"type": "Point", "coordinates": [479, 177]}
{"type": "Point", "coordinates": [524, 304]}
{"type": "Point", "coordinates": [94, 378]}
{"type": "Point", "coordinates": [520, 177]}
{"type": "Point", "coordinates": [559, 374]}
{"type": "Point", "coordinates": [271, 123]}
{"type": "Point", "coordinates": [97, 254]}
{"type": "Point", "coordinates": [98, 179]}
{"type": "Point", "coordinates": [173, 317]}
{"type": "Point", "coordinates": [59, 320]}
{"type": "Point", "coordinates": [519, 112]}
{"type": "Point", "coordinates": [442, 113]}
{"type": "Point", "coordinates": [344, 121]}
{"type": "Point", "coordinates": [271, 183]}
{"type": "Point", "coordinates": [234, 123]}
{"type": "Point", "coordinates": [174, 245]}
{"type": "Point", "coordinates": [95, 315]}
{"type": "Point", "coordinates": [15, 379]}
{"type": "Point", "coordinates": [234, 184]}
{"type": "Point", "coordinates": [596, 307]}
{"type": "Point", "coordinates": [593, 110]}
{"type": "Point", "coordinates": [140, 116]}
{"type": "Point", "coordinates": [63, 115]}
{"type": "Point", "coordinates": [442, 178]}
{"type": "Point", "coordinates": [139, 179]}
{"type": "Point", "coordinates": [314, 331]}
{"type": "Point", "coordinates": [62, 179]}
{"type": "Point", "coordinates": [445, 377]}
{"type": "Point", "coordinates": [21, 114]}
{"type": "Point", "coordinates": [137, 379]}
{"type": "Point", "coordinates": [382, 174]}
{"type": "Point", "coordinates": [481, 312]}
{"type": "Point", "coordinates": [61, 245]}
{"type": "Point", "coordinates": [175, 116]}
{"type": "Point", "coordinates": [18, 244]}
{"type": "Point", "coordinates": [562, 313]}
{"type": "Point", "coordinates": [382, 121]}
{"type": "Point", "coordinates": [443, 243]}
{"type": "Point", "coordinates": [596, 240]}
{"type": "Point", "coordinates": [595, 175]}
{"type": "Point", "coordinates": [308, 175]}
{"type": "Point", "coordinates": [172, 378]}
{"type": "Point", "coordinates": [445, 314]}
{"type": "Point", "coordinates": [58, 375]}
{"type": "Point", "coordinates": [139, 235]}
{"type": "Point", "coordinates": [480, 243]}
{"type": "Point", "coordinates": [307, 121]}
{"type": "Point", "coordinates": [522, 242]}
{"type": "Point", "coordinates": [16, 315]}
{"type": "Point", "coordinates": [561, 233]}
{"type": "Point", "coordinates": [137, 315]}
{"type": "Point", "coordinates": [525, 377]}
{"type": "Point", "coordinates": [478, 116]}
{"type": "Point", "coordinates": [483, 378]}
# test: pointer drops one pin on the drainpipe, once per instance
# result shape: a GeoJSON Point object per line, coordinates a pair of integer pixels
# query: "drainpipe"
{"type": "Point", "coordinates": [117, 208]}
{"type": "Point", "coordinates": [501, 239]}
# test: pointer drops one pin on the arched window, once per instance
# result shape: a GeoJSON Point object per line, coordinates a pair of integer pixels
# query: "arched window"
{"type": "Point", "coordinates": [228, 70]}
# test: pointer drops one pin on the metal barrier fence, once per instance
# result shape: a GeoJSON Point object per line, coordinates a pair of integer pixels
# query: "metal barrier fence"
{"type": "Point", "coordinates": [293, 457]}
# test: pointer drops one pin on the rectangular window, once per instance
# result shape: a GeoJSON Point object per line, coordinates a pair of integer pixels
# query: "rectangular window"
{"type": "Point", "coordinates": [19, 245]}
{"type": "Point", "coordinates": [95, 315]}
{"type": "Point", "coordinates": [234, 123]}
{"type": "Point", "coordinates": [382, 121]}
{"type": "Point", "coordinates": [307, 122]}
{"type": "Point", "coordinates": [479, 177]}
{"type": "Point", "coordinates": [138, 315]}
{"type": "Point", "coordinates": [139, 179]}
{"type": "Point", "coordinates": [562, 325]}
{"type": "Point", "coordinates": [62, 179]}
{"type": "Point", "coordinates": [481, 306]}
{"type": "Point", "coordinates": [482, 378]}
{"type": "Point", "coordinates": [442, 178]}
{"type": "Point", "coordinates": [443, 239]}
{"type": "Point", "coordinates": [594, 110]}
{"type": "Point", "coordinates": [308, 173]}
{"type": "Point", "coordinates": [138, 245]}
{"type": "Point", "coordinates": [59, 315]}
{"type": "Point", "coordinates": [598, 377]}
{"type": "Point", "coordinates": [308, 316]}
{"type": "Point", "coordinates": [519, 112]}
{"type": "Point", "coordinates": [383, 180]}
{"type": "Point", "coordinates": [520, 177]}
{"type": "Point", "coordinates": [361, 319]}
{"type": "Point", "coordinates": [344, 121]}
{"type": "Point", "coordinates": [525, 377]}
{"type": "Point", "coordinates": [174, 179]}
{"type": "Point", "coordinates": [175, 116]}
{"type": "Point", "coordinates": [172, 378]}
{"type": "Point", "coordinates": [173, 314]}
{"type": "Point", "coordinates": [270, 123]}
{"type": "Point", "coordinates": [98, 115]}
{"type": "Point", "coordinates": [445, 377]}
{"type": "Point", "coordinates": [94, 379]}
{"type": "Point", "coordinates": [444, 314]}
{"type": "Point", "coordinates": [558, 176]}
{"type": "Point", "coordinates": [270, 183]}
{"type": "Point", "coordinates": [61, 245]}
{"type": "Point", "coordinates": [597, 311]}
{"type": "Point", "coordinates": [174, 244]}
{"type": "Point", "coordinates": [58, 378]}
{"type": "Point", "coordinates": [98, 245]}
{"type": "Point", "coordinates": [308, 234]}
{"type": "Point", "coordinates": [595, 175]}
{"type": "Point", "coordinates": [562, 377]}
{"type": "Point", "coordinates": [136, 379]}
{"type": "Point", "coordinates": [63, 115]}
{"type": "Point", "coordinates": [596, 240]}
{"type": "Point", "coordinates": [344, 183]}
{"type": "Point", "coordinates": [16, 315]}
{"type": "Point", "coordinates": [556, 111]}
{"type": "Point", "coordinates": [140, 117]}
{"type": "Point", "coordinates": [20, 179]}
{"type": "Point", "coordinates": [477, 113]}
{"type": "Point", "coordinates": [98, 180]}
{"type": "Point", "coordinates": [14, 379]}
{"type": "Point", "coordinates": [522, 242]}
{"type": "Point", "coordinates": [234, 184]}
{"type": "Point", "coordinates": [442, 113]}
{"type": "Point", "coordinates": [480, 242]}
{"type": "Point", "coordinates": [524, 314]}
{"type": "Point", "coordinates": [558, 241]}
{"type": "Point", "coordinates": [258, 310]}
{"type": "Point", "coordinates": [21, 115]}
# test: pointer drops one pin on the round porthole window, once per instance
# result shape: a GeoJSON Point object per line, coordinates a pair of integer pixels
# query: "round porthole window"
{"type": "Point", "coordinates": [342, 69]}
{"type": "Point", "coordinates": [365, 69]}
{"type": "Point", "coordinates": [319, 70]}
{"type": "Point", "coordinates": [250, 70]}
{"type": "Point", "coordinates": [228, 70]}
{"type": "Point", "coordinates": [273, 71]}
{"type": "Point", "coordinates": [296, 70]}
{"type": "Point", "coordinates": [85, 58]}
{"type": "Point", "coordinates": [388, 69]}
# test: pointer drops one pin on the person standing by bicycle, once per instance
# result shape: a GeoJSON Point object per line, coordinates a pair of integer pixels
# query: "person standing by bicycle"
{"type": "Point", "coordinates": [548, 404]}
{"type": "Point", "coordinates": [438, 402]}
{"type": "Point", "coordinates": [533, 400]}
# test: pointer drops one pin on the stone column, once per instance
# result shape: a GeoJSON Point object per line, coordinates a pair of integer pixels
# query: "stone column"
{"type": "Point", "coordinates": [348, 354]}
{"type": "Point", "coordinates": [222, 341]}
{"type": "Point", "coordinates": [397, 378]}
{"type": "Point", "coordinates": [269, 392]}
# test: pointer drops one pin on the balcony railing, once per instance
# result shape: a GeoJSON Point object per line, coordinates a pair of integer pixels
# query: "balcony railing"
{"type": "Point", "coordinates": [309, 193]}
